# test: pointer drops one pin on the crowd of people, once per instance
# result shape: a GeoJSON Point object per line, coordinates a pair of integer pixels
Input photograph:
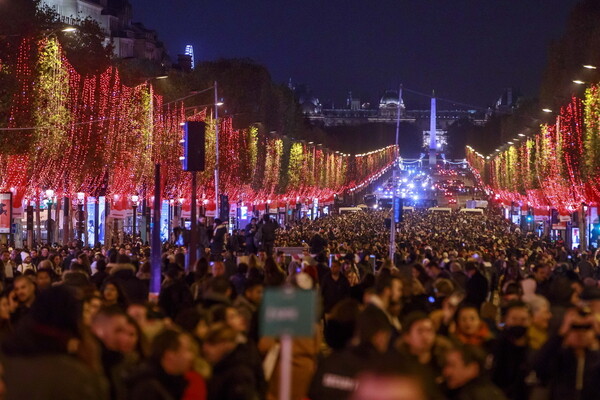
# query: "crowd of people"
{"type": "Point", "coordinates": [469, 307]}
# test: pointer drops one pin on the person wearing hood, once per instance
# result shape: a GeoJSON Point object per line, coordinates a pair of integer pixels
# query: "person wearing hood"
{"type": "Point", "coordinates": [134, 288]}
{"type": "Point", "coordinates": [26, 265]}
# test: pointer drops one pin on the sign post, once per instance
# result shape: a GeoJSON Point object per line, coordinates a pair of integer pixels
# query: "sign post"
{"type": "Point", "coordinates": [287, 313]}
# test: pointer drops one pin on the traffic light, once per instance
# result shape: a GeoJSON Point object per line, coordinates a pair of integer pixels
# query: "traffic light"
{"type": "Point", "coordinates": [194, 146]}
{"type": "Point", "coordinates": [223, 207]}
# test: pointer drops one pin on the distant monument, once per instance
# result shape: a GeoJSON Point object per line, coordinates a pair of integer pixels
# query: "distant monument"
{"type": "Point", "coordinates": [432, 133]}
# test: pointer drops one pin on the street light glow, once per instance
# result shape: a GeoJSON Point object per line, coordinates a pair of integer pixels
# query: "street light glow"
{"type": "Point", "coordinates": [69, 29]}
{"type": "Point", "coordinates": [220, 103]}
{"type": "Point", "coordinates": [579, 82]}
{"type": "Point", "coordinates": [590, 66]}
{"type": "Point", "coordinates": [546, 110]}
{"type": "Point", "coordinates": [522, 134]}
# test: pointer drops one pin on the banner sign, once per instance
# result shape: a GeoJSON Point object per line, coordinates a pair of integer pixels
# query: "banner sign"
{"type": "Point", "coordinates": [5, 212]}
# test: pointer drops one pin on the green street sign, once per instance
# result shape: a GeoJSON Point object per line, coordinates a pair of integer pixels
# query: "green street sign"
{"type": "Point", "coordinates": [288, 311]}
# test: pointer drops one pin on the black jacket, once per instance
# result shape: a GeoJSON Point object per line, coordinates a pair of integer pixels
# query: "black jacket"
{"type": "Point", "coordinates": [135, 289]}
{"type": "Point", "coordinates": [335, 377]}
{"type": "Point", "coordinates": [477, 289]}
{"type": "Point", "coordinates": [151, 382]}
{"type": "Point", "coordinates": [175, 297]}
{"type": "Point", "coordinates": [333, 291]}
{"type": "Point", "coordinates": [317, 244]}
{"type": "Point", "coordinates": [218, 241]}
{"type": "Point", "coordinates": [478, 389]}
{"type": "Point", "coordinates": [233, 378]}
{"type": "Point", "coordinates": [511, 365]}
{"type": "Point", "coordinates": [556, 367]}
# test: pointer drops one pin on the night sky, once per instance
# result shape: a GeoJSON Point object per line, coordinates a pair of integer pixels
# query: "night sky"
{"type": "Point", "coordinates": [467, 50]}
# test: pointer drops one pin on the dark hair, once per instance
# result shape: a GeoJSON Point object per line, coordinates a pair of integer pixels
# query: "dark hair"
{"type": "Point", "coordinates": [464, 306]}
{"type": "Point", "coordinates": [101, 265]}
{"type": "Point", "coordinates": [384, 281]}
{"type": "Point", "coordinates": [220, 333]}
{"type": "Point", "coordinates": [470, 266]}
{"type": "Point", "coordinates": [123, 259]}
{"type": "Point", "coordinates": [252, 283]}
{"type": "Point", "coordinates": [219, 284]}
{"type": "Point", "coordinates": [122, 300]}
{"type": "Point", "coordinates": [412, 318]}
{"type": "Point", "coordinates": [167, 340]}
{"type": "Point", "coordinates": [218, 313]}
{"type": "Point", "coordinates": [539, 266]}
{"type": "Point", "coordinates": [49, 271]}
{"type": "Point", "coordinates": [111, 254]}
{"type": "Point", "coordinates": [341, 325]}
{"type": "Point", "coordinates": [433, 264]}
{"type": "Point", "coordinates": [512, 288]}
{"type": "Point", "coordinates": [370, 323]}
{"type": "Point", "coordinates": [274, 276]}
{"type": "Point", "coordinates": [189, 318]}
{"type": "Point", "coordinates": [510, 305]}
{"type": "Point", "coordinates": [242, 268]}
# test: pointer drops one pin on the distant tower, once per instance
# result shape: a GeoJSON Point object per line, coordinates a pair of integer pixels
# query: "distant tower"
{"type": "Point", "coordinates": [432, 133]}
{"type": "Point", "coordinates": [189, 51]}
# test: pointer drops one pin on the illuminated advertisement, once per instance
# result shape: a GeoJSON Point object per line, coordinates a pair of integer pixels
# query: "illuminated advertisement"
{"type": "Point", "coordinates": [90, 223]}
{"type": "Point", "coordinates": [5, 212]}
{"type": "Point", "coordinates": [102, 219]}
{"type": "Point", "coordinates": [164, 221]}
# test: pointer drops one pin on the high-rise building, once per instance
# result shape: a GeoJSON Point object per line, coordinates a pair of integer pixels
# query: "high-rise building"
{"type": "Point", "coordinates": [189, 51]}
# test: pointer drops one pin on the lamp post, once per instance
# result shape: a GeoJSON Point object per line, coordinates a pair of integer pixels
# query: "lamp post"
{"type": "Point", "coordinates": [49, 228]}
{"type": "Point", "coordinates": [216, 150]}
{"type": "Point", "coordinates": [134, 204]}
{"type": "Point", "coordinates": [80, 224]}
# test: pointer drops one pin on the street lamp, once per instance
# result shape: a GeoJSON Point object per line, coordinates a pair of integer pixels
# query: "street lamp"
{"type": "Point", "coordinates": [67, 29]}
{"type": "Point", "coordinates": [216, 150]}
{"type": "Point", "coordinates": [587, 66]}
{"type": "Point", "coordinates": [579, 82]}
{"type": "Point", "coordinates": [134, 203]}
{"type": "Point", "coordinates": [80, 224]}
{"type": "Point", "coordinates": [546, 110]}
{"type": "Point", "coordinates": [49, 230]}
